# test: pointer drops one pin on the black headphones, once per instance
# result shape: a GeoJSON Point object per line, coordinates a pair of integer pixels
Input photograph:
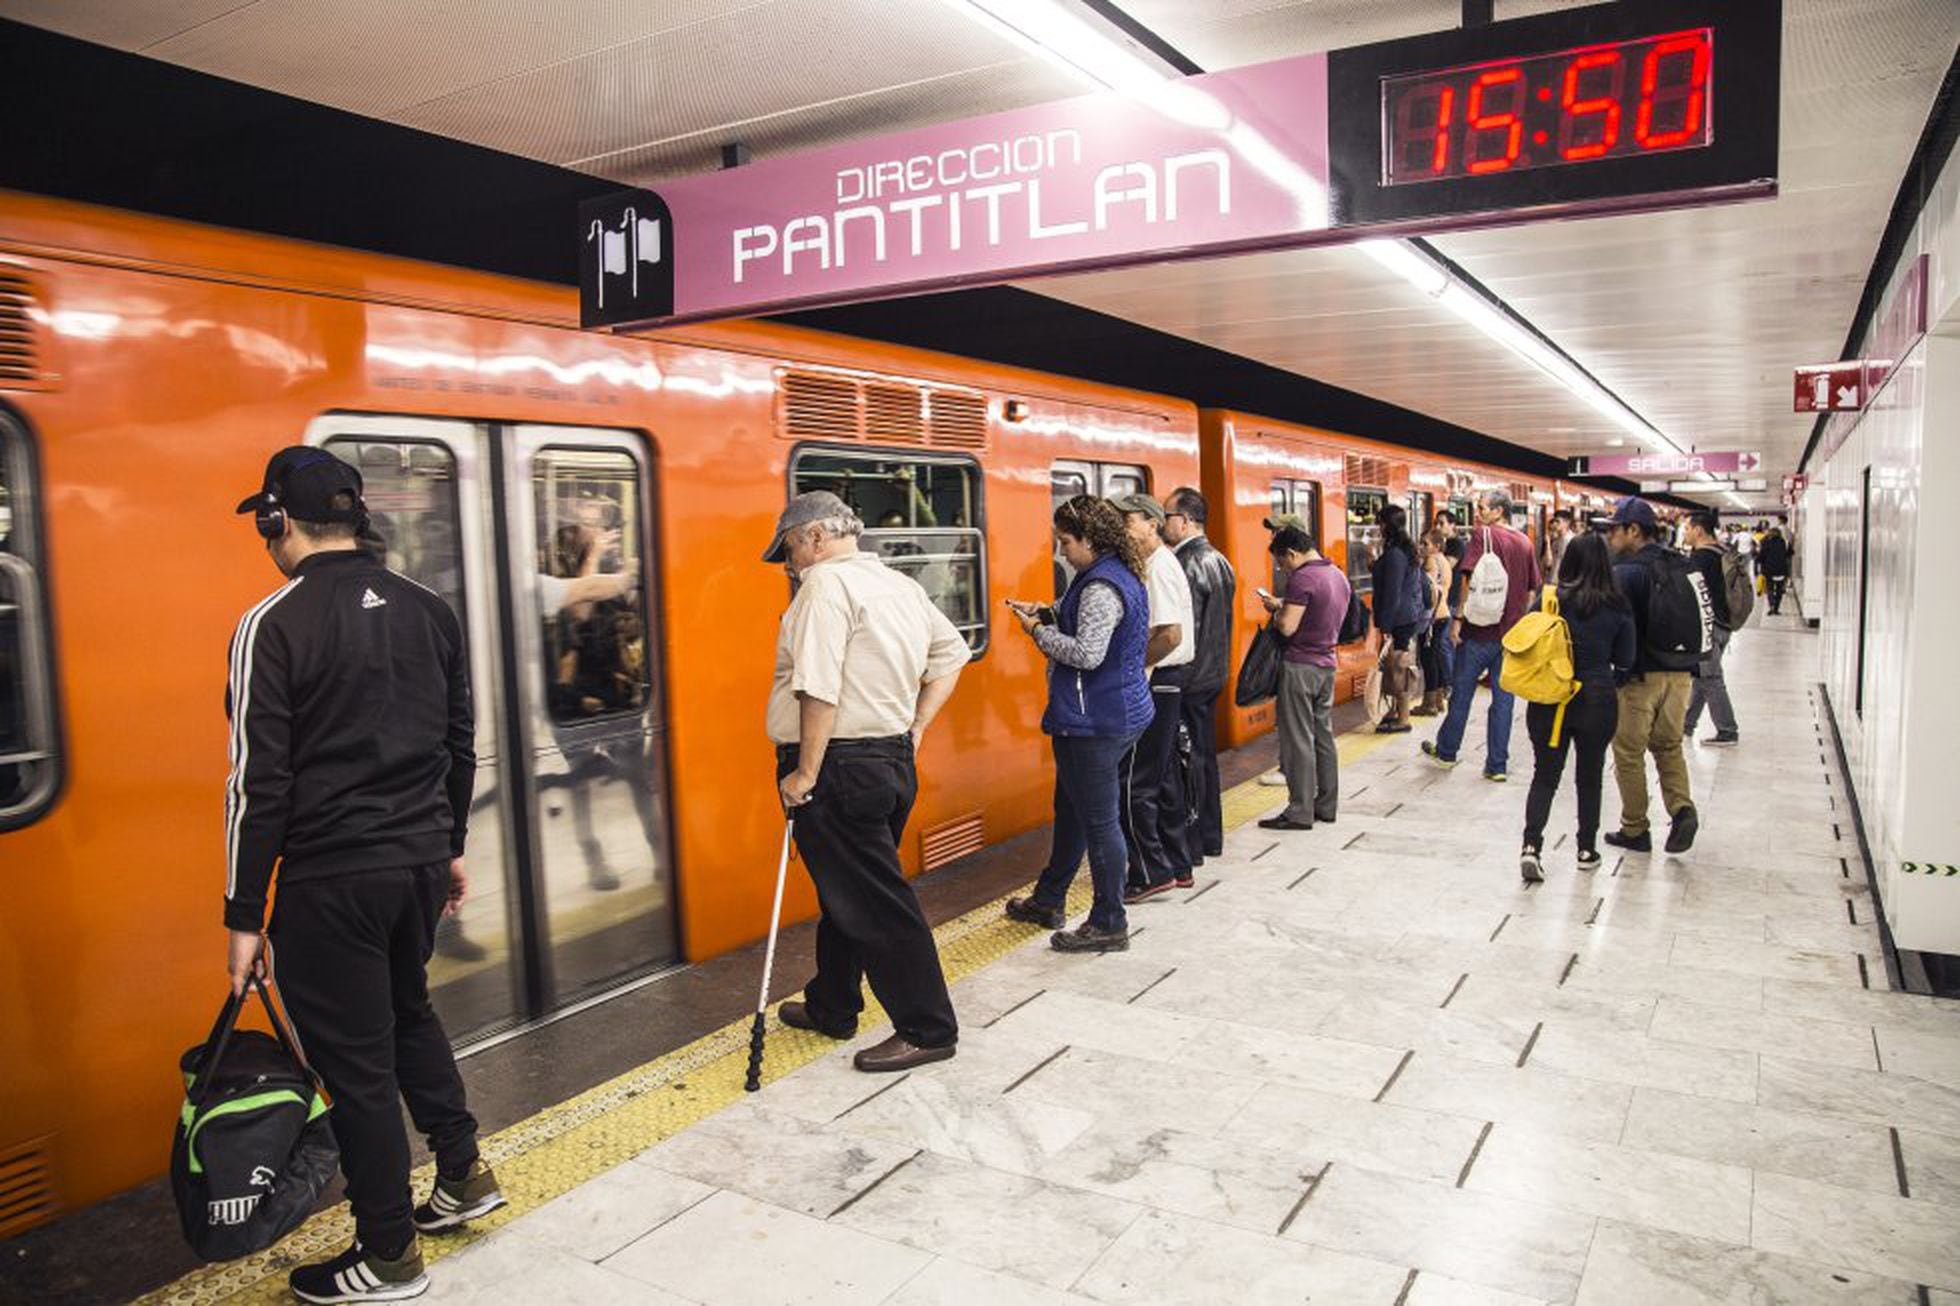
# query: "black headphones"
{"type": "Point", "coordinates": [271, 519]}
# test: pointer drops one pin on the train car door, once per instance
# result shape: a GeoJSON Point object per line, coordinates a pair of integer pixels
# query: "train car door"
{"type": "Point", "coordinates": [1299, 499]}
{"type": "Point", "coordinates": [540, 538]}
{"type": "Point", "coordinates": [1422, 505]}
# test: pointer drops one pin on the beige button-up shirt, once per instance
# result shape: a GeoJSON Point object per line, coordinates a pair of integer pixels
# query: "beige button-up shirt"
{"type": "Point", "coordinates": [863, 637]}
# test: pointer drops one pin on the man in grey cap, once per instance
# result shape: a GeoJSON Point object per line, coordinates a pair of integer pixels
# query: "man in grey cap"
{"type": "Point", "coordinates": [1155, 811]}
{"type": "Point", "coordinates": [864, 662]}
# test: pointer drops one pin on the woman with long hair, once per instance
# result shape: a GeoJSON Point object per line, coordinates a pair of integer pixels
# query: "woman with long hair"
{"type": "Point", "coordinates": [1435, 648]}
{"type": "Point", "coordinates": [1603, 647]}
{"type": "Point", "coordinates": [1401, 614]}
{"type": "Point", "coordinates": [1098, 705]}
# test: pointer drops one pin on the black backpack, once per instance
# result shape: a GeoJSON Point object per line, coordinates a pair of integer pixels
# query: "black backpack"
{"type": "Point", "coordinates": [1680, 612]}
{"type": "Point", "coordinates": [253, 1149]}
{"type": "Point", "coordinates": [1354, 626]}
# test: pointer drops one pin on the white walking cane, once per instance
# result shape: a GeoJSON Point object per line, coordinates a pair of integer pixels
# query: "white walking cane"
{"type": "Point", "coordinates": [754, 1081]}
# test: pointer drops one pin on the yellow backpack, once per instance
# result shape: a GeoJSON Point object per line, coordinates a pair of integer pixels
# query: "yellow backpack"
{"type": "Point", "coordinates": [1538, 659]}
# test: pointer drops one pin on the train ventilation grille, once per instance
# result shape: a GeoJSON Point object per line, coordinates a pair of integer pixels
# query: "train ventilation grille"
{"type": "Point", "coordinates": [951, 841]}
{"type": "Point", "coordinates": [1367, 469]}
{"type": "Point", "coordinates": [835, 406]}
{"type": "Point", "coordinates": [26, 1187]}
{"type": "Point", "coordinates": [1520, 492]}
{"type": "Point", "coordinates": [20, 362]}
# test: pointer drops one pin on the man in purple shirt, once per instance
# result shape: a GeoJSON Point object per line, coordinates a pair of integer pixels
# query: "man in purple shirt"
{"type": "Point", "coordinates": [1309, 616]}
{"type": "Point", "coordinates": [1480, 647]}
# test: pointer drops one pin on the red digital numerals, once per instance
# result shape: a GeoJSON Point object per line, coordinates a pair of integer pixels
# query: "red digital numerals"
{"type": "Point", "coordinates": [1562, 108]}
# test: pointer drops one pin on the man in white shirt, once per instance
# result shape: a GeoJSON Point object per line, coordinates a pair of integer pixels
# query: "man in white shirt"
{"type": "Point", "coordinates": [864, 662]}
{"type": "Point", "coordinates": [1156, 811]}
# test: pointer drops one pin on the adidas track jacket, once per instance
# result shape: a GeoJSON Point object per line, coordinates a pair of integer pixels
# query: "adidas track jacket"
{"type": "Point", "coordinates": [351, 731]}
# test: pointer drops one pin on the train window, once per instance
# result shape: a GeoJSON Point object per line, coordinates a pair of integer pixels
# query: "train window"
{"type": "Point", "coordinates": [590, 527]}
{"type": "Point", "coordinates": [1364, 536]}
{"type": "Point", "coordinates": [1301, 499]}
{"type": "Point", "coordinates": [28, 750]}
{"type": "Point", "coordinates": [1105, 480]}
{"type": "Point", "coordinates": [922, 515]}
{"type": "Point", "coordinates": [410, 490]}
{"type": "Point", "coordinates": [1459, 512]}
{"type": "Point", "coordinates": [1421, 506]}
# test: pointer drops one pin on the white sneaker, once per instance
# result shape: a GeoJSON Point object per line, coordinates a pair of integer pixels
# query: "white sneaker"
{"type": "Point", "coordinates": [1530, 866]}
{"type": "Point", "coordinates": [1273, 780]}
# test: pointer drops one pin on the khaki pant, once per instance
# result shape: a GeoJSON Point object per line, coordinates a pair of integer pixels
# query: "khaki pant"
{"type": "Point", "coordinates": [1653, 709]}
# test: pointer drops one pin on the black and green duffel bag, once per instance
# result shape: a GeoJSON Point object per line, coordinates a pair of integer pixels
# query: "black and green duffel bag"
{"type": "Point", "coordinates": [253, 1150]}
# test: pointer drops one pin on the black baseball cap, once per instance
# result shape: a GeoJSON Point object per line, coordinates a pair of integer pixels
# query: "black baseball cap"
{"type": "Point", "coordinates": [1630, 511]}
{"type": "Point", "coordinates": [306, 482]}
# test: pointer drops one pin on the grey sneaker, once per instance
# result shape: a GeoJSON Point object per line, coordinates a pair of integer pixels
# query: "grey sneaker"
{"type": "Point", "coordinates": [458, 1201]}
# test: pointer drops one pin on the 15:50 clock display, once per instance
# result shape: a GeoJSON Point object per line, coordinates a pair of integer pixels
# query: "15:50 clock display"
{"type": "Point", "coordinates": [1628, 98]}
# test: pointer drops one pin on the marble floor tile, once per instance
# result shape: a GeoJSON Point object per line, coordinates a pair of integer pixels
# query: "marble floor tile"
{"type": "Point", "coordinates": [955, 1283]}
{"type": "Point", "coordinates": [733, 1249]}
{"type": "Point", "coordinates": [1503, 960]}
{"type": "Point", "coordinates": [1837, 1151]}
{"type": "Point", "coordinates": [1673, 919]}
{"type": "Point", "coordinates": [1163, 1260]}
{"type": "Point", "coordinates": [1009, 1223]}
{"type": "Point", "coordinates": [1401, 1140]}
{"type": "Point", "coordinates": [1656, 980]}
{"type": "Point", "coordinates": [512, 1268]}
{"type": "Point", "coordinates": [1642, 1062]}
{"type": "Point", "coordinates": [1441, 1290]}
{"type": "Point", "coordinates": [1255, 1052]}
{"type": "Point", "coordinates": [1771, 961]}
{"type": "Point", "coordinates": [1631, 1263]}
{"type": "Point", "coordinates": [1893, 1236]}
{"type": "Point", "coordinates": [603, 1214]}
{"type": "Point", "coordinates": [1143, 1092]}
{"type": "Point", "coordinates": [1014, 1133]}
{"type": "Point", "coordinates": [1514, 1246]}
{"type": "Point", "coordinates": [1932, 1164]}
{"type": "Point", "coordinates": [1681, 1021]}
{"type": "Point", "coordinates": [1824, 929]}
{"type": "Point", "coordinates": [1128, 1029]}
{"type": "Point", "coordinates": [1626, 1014]}
{"type": "Point", "coordinates": [1220, 1180]}
{"type": "Point", "coordinates": [1931, 1057]}
{"type": "Point", "coordinates": [1858, 1095]}
{"type": "Point", "coordinates": [1277, 1003]}
{"type": "Point", "coordinates": [776, 1158]}
{"type": "Point", "coordinates": [1618, 1183]}
{"type": "Point", "coordinates": [1475, 1036]}
{"type": "Point", "coordinates": [1538, 1099]}
{"type": "Point", "coordinates": [1906, 1011]}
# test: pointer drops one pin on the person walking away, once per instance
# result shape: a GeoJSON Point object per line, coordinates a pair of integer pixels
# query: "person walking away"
{"type": "Point", "coordinates": [1603, 650]}
{"type": "Point", "coordinates": [352, 763]}
{"type": "Point", "coordinates": [1214, 596]}
{"type": "Point", "coordinates": [1499, 576]}
{"type": "Point", "coordinates": [1654, 700]}
{"type": "Point", "coordinates": [1309, 617]}
{"type": "Point", "coordinates": [1437, 659]}
{"type": "Point", "coordinates": [1773, 560]}
{"type": "Point", "coordinates": [1558, 533]}
{"type": "Point", "coordinates": [864, 662]}
{"type": "Point", "coordinates": [1727, 578]}
{"type": "Point", "coordinates": [1401, 603]}
{"type": "Point", "coordinates": [1154, 803]}
{"type": "Point", "coordinates": [1099, 703]}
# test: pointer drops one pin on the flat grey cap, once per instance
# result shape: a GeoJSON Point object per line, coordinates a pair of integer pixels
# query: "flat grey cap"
{"type": "Point", "coordinates": [803, 510]}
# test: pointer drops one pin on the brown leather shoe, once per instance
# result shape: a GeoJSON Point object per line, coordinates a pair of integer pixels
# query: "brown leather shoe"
{"type": "Point", "coordinates": [797, 1016]}
{"type": "Point", "coordinates": [896, 1054]}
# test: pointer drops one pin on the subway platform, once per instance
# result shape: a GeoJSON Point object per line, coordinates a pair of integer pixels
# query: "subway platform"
{"type": "Point", "coordinates": [1362, 1064]}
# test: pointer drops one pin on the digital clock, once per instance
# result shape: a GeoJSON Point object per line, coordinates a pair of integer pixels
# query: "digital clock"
{"type": "Point", "coordinates": [1597, 102]}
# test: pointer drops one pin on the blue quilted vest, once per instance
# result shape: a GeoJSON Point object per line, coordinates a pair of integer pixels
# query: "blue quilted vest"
{"type": "Point", "coordinates": [1114, 699]}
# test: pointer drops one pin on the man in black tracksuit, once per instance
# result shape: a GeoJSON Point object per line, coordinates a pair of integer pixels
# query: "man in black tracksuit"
{"type": "Point", "coordinates": [352, 765]}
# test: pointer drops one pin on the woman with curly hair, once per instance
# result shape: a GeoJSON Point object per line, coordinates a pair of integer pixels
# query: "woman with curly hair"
{"type": "Point", "coordinates": [1098, 704]}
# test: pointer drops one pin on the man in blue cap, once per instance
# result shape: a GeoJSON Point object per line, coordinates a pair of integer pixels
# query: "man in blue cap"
{"type": "Point", "coordinates": [1663, 588]}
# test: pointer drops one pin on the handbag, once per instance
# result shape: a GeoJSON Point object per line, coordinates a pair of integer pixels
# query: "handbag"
{"type": "Point", "coordinates": [1259, 672]}
{"type": "Point", "coordinates": [253, 1150]}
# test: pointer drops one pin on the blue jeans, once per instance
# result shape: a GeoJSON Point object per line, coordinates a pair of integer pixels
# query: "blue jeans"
{"type": "Point", "coordinates": [1473, 658]}
{"type": "Point", "coordinates": [1088, 819]}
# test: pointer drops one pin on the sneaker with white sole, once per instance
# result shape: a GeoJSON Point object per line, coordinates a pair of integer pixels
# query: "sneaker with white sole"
{"type": "Point", "coordinates": [359, 1275]}
{"type": "Point", "coordinates": [1588, 859]}
{"type": "Point", "coordinates": [1530, 866]}
{"type": "Point", "coordinates": [1273, 780]}
{"type": "Point", "coordinates": [457, 1201]}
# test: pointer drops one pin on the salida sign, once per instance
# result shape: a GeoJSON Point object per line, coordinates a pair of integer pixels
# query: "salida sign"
{"type": "Point", "coordinates": [1597, 109]}
{"type": "Point", "coordinates": [1666, 464]}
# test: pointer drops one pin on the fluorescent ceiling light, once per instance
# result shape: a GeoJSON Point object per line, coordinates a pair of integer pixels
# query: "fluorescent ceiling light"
{"type": "Point", "coordinates": [1060, 34]}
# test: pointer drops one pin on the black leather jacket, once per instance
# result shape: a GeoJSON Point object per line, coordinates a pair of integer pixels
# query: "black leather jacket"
{"type": "Point", "coordinates": [1214, 595]}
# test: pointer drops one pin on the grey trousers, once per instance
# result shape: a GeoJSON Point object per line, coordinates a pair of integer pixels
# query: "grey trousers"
{"type": "Point", "coordinates": [1711, 690]}
{"type": "Point", "coordinates": [1306, 743]}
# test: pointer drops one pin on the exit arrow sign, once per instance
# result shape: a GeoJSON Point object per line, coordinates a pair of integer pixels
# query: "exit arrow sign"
{"type": "Point", "coordinates": [1654, 465]}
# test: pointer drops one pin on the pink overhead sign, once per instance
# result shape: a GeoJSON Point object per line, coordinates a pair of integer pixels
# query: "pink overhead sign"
{"type": "Point", "coordinates": [1666, 464]}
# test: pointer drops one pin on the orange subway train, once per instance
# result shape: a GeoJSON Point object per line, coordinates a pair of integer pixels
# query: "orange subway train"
{"type": "Point", "coordinates": [624, 820]}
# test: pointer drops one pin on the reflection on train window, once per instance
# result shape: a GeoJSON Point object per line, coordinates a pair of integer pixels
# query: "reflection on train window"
{"type": "Point", "coordinates": [409, 487]}
{"type": "Point", "coordinates": [590, 524]}
{"type": "Point", "coordinates": [1421, 506]}
{"type": "Point", "coordinates": [1299, 499]}
{"type": "Point", "coordinates": [1073, 477]}
{"type": "Point", "coordinates": [922, 515]}
{"type": "Point", "coordinates": [1364, 536]}
{"type": "Point", "coordinates": [27, 734]}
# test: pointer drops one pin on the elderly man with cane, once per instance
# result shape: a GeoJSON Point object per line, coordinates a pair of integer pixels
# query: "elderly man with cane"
{"type": "Point", "coordinates": [864, 661]}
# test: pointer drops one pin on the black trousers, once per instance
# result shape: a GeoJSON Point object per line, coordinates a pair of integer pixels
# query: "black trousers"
{"type": "Point", "coordinates": [1154, 805]}
{"type": "Point", "coordinates": [1591, 720]}
{"type": "Point", "coordinates": [1206, 834]}
{"type": "Point", "coordinates": [1776, 585]}
{"type": "Point", "coordinates": [872, 927]}
{"type": "Point", "coordinates": [350, 956]}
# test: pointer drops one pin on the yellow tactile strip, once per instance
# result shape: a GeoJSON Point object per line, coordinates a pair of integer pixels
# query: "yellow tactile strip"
{"type": "Point", "coordinates": [566, 1145]}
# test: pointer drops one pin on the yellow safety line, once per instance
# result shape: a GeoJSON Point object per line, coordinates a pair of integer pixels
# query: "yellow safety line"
{"type": "Point", "coordinates": [563, 1146]}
